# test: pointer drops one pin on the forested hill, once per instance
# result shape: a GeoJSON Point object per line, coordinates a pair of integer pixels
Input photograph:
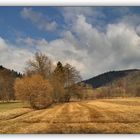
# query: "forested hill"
{"type": "Point", "coordinates": [108, 77]}
{"type": "Point", "coordinates": [4, 71]}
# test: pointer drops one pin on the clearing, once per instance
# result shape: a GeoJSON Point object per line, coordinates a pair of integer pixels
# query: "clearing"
{"type": "Point", "coordinates": [120, 115]}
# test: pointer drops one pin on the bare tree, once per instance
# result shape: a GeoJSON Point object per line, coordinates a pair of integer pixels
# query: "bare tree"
{"type": "Point", "coordinates": [41, 64]}
{"type": "Point", "coordinates": [71, 78]}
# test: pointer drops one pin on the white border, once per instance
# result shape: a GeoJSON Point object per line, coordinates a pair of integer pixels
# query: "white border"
{"type": "Point", "coordinates": [71, 137]}
{"type": "Point", "coordinates": [69, 2]}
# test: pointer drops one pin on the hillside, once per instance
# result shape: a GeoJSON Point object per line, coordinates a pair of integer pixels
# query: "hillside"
{"type": "Point", "coordinates": [12, 73]}
{"type": "Point", "coordinates": [108, 77]}
{"type": "Point", "coordinates": [97, 116]}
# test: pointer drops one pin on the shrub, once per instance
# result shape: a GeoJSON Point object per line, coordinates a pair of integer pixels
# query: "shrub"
{"type": "Point", "coordinates": [36, 90]}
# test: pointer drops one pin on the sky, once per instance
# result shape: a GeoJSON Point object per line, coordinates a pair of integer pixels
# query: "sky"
{"type": "Point", "coordinates": [92, 39]}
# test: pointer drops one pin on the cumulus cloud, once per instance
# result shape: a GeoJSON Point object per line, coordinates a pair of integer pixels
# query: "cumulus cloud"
{"type": "Point", "coordinates": [93, 51]}
{"type": "Point", "coordinates": [83, 45]}
{"type": "Point", "coordinates": [13, 57]}
{"type": "Point", "coordinates": [31, 42]}
{"type": "Point", "coordinates": [38, 19]}
{"type": "Point", "coordinates": [117, 48]}
{"type": "Point", "coordinates": [93, 15]}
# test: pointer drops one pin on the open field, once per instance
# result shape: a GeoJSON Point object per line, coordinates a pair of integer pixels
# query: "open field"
{"type": "Point", "coordinates": [96, 116]}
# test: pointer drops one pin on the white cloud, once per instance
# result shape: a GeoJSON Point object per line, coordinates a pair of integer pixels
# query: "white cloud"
{"type": "Point", "coordinates": [38, 19]}
{"type": "Point", "coordinates": [2, 44]}
{"type": "Point", "coordinates": [13, 57]}
{"type": "Point", "coordinates": [30, 42]}
{"type": "Point", "coordinates": [70, 13]}
{"type": "Point", "coordinates": [90, 50]}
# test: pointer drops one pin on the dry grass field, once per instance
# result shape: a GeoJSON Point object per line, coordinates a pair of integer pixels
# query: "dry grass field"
{"type": "Point", "coordinates": [120, 115]}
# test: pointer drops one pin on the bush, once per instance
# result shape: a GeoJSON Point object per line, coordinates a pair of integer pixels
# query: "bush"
{"type": "Point", "coordinates": [36, 90]}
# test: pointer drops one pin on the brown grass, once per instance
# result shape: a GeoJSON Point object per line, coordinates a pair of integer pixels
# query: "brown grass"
{"type": "Point", "coordinates": [97, 116]}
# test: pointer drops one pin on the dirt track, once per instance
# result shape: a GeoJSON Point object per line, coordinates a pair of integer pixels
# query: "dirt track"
{"type": "Point", "coordinates": [99, 116]}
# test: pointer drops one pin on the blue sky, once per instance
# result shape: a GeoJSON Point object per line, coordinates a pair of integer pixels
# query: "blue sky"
{"type": "Point", "coordinates": [13, 24]}
{"type": "Point", "coordinates": [93, 39]}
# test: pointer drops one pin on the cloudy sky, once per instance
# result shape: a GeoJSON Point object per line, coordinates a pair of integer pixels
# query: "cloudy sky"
{"type": "Point", "coordinates": [93, 39]}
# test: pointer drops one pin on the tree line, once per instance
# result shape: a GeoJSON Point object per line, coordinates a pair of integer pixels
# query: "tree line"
{"type": "Point", "coordinates": [128, 86]}
{"type": "Point", "coordinates": [44, 83]}
{"type": "Point", "coordinates": [7, 79]}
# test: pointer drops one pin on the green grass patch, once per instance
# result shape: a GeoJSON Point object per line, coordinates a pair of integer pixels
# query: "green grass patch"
{"type": "Point", "coordinates": [5, 106]}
